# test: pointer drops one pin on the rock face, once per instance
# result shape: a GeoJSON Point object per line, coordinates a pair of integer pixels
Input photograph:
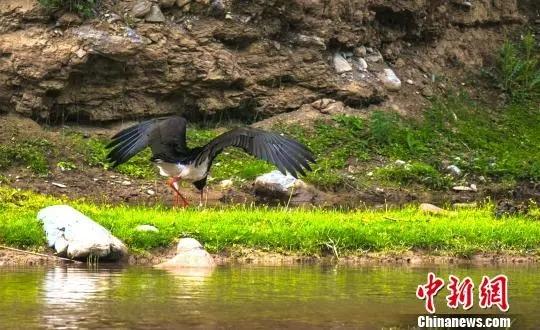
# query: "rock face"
{"type": "Point", "coordinates": [76, 236]}
{"type": "Point", "coordinates": [190, 254]}
{"type": "Point", "coordinates": [261, 57]}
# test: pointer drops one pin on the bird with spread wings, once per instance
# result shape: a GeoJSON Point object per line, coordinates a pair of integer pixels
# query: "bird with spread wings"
{"type": "Point", "coordinates": [166, 137]}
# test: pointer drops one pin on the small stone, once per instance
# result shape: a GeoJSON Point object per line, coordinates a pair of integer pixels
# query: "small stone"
{"type": "Point", "coordinates": [360, 51]}
{"type": "Point", "coordinates": [400, 162]}
{"type": "Point", "coordinates": [182, 3]}
{"type": "Point", "coordinates": [369, 174]}
{"type": "Point", "coordinates": [410, 82]}
{"type": "Point", "coordinates": [340, 64]}
{"type": "Point", "coordinates": [462, 188]}
{"type": "Point", "coordinates": [427, 91]}
{"type": "Point", "coordinates": [379, 190]}
{"type": "Point", "coordinates": [59, 185]}
{"type": "Point", "coordinates": [311, 40]}
{"type": "Point", "coordinates": [375, 57]}
{"type": "Point", "coordinates": [146, 228]}
{"type": "Point", "coordinates": [126, 183]}
{"type": "Point", "coordinates": [114, 18]}
{"type": "Point", "coordinates": [69, 19]}
{"type": "Point", "coordinates": [166, 3]}
{"type": "Point", "coordinates": [155, 15]}
{"type": "Point", "coordinates": [473, 187]}
{"type": "Point", "coordinates": [430, 208]}
{"type": "Point", "coordinates": [141, 8]}
{"type": "Point", "coordinates": [226, 184]}
{"type": "Point", "coordinates": [454, 170]}
{"type": "Point", "coordinates": [80, 53]}
{"type": "Point", "coordinates": [389, 79]}
{"type": "Point", "coordinates": [150, 192]}
{"type": "Point", "coordinates": [362, 64]}
{"type": "Point", "coordinates": [399, 63]}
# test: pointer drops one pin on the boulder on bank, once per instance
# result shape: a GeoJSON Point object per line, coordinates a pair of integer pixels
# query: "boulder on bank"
{"type": "Point", "coordinates": [189, 254]}
{"type": "Point", "coordinates": [74, 235]}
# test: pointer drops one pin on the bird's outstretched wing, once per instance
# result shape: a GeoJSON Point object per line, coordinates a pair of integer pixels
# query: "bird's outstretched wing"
{"type": "Point", "coordinates": [165, 136]}
{"type": "Point", "coordinates": [287, 154]}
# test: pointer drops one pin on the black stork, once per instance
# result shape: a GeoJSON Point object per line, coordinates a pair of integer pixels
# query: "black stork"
{"type": "Point", "coordinates": [166, 137]}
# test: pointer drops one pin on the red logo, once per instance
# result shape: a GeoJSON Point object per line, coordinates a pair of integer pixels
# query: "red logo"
{"type": "Point", "coordinates": [429, 290]}
{"type": "Point", "coordinates": [494, 292]}
{"type": "Point", "coordinates": [461, 293]}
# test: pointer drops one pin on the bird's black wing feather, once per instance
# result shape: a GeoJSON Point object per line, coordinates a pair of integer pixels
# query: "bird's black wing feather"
{"type": "Point", "coordinates": [166, 137]}
{"type": "Point", "coordinates": [285, 153]}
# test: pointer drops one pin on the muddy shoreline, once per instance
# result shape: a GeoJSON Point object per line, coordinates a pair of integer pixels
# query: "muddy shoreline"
{"type": "Point", "coordinates": [263, 258]}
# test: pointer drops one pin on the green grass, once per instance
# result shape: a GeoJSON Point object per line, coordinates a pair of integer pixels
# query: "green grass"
{"type": "Point", "coordinates": [310, 232]}
{"type": "Point", "coordinates": [31, 153]}
{"type": "Point", "coordinates": [85, 8]}
{"type": "Point", "coordinates": [501, 145]}
{"type": "Point", "coordinates": [518, 69]}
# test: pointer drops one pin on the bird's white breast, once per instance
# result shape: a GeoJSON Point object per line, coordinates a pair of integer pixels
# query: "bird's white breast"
{"type": "Point", "coordinates": [185, 172]}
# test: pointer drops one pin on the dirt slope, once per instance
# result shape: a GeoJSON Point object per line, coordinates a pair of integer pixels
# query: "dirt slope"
{"type": "Point", "coordinates": [241, 58]}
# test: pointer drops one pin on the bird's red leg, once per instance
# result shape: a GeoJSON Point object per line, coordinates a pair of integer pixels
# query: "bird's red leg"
{"type": "Point", "coordinates": [177, 193]}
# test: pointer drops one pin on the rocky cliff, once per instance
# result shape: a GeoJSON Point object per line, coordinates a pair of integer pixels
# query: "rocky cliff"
{"type": "Point", "coordinates": [241, 58]}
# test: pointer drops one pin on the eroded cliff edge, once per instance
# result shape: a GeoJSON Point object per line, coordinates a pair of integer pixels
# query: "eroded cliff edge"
{"type": "Point", "coordinates": [249, 59]}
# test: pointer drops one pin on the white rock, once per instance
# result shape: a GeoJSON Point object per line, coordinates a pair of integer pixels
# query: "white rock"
{"type": "Point", "coordinates": [276, 181]}
{"type": "Point", "coordinates": [188, 244]}
{"type": "Point", "coordinates": [362, 64]}
{"type": "Point", "coordinates": [190, 254]}
{"type": "Point", "coordinates": [454, 170]}
{"type": "Point", "coordinates": [389, 79]}
{"type": "Point", "coordinates": [59, 185]}
{"type": "Point", "coordinates": [400, 162]}
{"type": "Point", "coordinates": [303, 39]}
{"type": "Point", "coordinates": [340, 64]}
{"type": "Point", "coordinates": [226, 184]}
{"type": "Point", "coordinates": [410, 82]}
{"type": "Point", "coordinates": [150, 192]}
{"type": "Point", "coordinates": [462, 188]}
{"type": "Point", "coordinates": [146, 228]}
{"type": "Point", "coordinates": [126, 183]}
{"type": "Point", "coordinates": [473, 187]}
{"type": "Point", "coordinates": [430, 208]}
{"type": "Point", "coordinates": [80, 53]}
{"type": "Point", "coordinates": [74, 235]}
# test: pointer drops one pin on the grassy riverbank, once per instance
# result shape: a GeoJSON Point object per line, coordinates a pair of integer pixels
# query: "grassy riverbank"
{"type": "Point", "coordinates": [309, 232]}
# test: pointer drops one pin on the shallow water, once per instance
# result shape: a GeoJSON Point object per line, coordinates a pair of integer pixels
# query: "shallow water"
{"type": "Point", "coordinates": [238, 297]}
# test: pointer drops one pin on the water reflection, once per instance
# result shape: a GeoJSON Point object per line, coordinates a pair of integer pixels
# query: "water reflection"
{"type": "Point", "coordinates": [239, 297]}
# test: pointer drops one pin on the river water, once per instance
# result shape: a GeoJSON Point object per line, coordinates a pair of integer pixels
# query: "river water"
{"type": "Point", "coordinates": [244, 297]}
